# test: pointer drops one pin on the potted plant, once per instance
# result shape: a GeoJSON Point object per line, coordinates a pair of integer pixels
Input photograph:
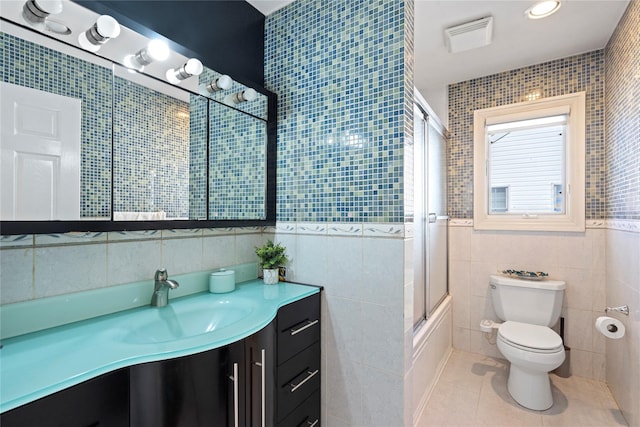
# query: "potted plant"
{"type": "Point", "coordinates": [271, 256]}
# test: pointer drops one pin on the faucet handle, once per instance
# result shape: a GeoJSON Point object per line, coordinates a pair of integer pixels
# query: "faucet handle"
{"type": "Point", "coordinates": [161, 274]}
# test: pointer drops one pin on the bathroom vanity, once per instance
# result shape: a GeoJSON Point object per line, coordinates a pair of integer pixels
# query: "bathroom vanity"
{"type": "Point", "coordinates": [262, 369]}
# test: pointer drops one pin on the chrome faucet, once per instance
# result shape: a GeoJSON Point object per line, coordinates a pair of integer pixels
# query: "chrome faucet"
{"type": "Point", "coordinates": [160, 297]}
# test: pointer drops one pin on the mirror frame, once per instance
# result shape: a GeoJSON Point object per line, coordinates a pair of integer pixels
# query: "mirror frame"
{"type": "Point", "coordinates": [48, 227]}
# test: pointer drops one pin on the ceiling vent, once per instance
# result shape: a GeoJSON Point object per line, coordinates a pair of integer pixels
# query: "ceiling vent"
{"type": "Point", "coordinates": [469, 35]}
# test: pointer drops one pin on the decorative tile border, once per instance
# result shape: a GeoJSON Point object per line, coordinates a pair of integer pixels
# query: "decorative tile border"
{"type": "Point", "coordinates": [630, 225]}
{"type": "Point", "coordinates": [610, 224]}
{"type": "Point", "coordinates": [348, 229]}
{"type": "Point", "coordinates": [408, 230]}
{"type": "Point", "coordinates": [461, 222]}
{"type": "Point", "coordinates": [121, 236]}
{"type": "Point", "coordinates": [284, 228]}
{"type": "Point", "coordinates": [70, 238]}
{"type": "Point", "coordinates": [383, 230]}
{"type": "Point", "coordinates": [595, 223]}
{"type": "Point", "coordinates": [208, 232]}
{"type": "Point", "coordinates": [311, 228]}
{"type": "Point", "coordinates": [179, 233]}
{"type": "Point", "coordinates": [16, 241]}
{"type": "Point", "coordinates": [249, 230]}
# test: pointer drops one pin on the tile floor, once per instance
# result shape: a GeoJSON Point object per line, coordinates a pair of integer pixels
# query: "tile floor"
{"type": "Point", "coordinates": [472, 391]}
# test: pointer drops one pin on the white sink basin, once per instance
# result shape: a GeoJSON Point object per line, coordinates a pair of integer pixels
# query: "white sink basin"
{"type": "Point", "coordinates": [188, 317]}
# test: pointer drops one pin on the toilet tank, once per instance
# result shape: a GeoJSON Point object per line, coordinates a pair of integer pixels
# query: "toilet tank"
{"type": "Point", "coordinates": [527, 301]}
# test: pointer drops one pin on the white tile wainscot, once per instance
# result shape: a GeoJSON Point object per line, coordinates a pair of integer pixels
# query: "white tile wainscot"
{"type": "Point", "coordinates": [577, 258]}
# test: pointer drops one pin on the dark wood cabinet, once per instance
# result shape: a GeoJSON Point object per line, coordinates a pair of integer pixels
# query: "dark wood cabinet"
{"type": "Point", "coordinates": [297, 386]}
{"type": "Point", "coordinates": [203, 389]}
{"type": "Point", "coordinates": [271, 378]}
{"type": "Point", "coordinates": [102, 401]}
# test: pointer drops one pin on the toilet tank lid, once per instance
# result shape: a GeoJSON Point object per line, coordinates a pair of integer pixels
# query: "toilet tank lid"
{"type": "Point", "coordinates": [552, 285]}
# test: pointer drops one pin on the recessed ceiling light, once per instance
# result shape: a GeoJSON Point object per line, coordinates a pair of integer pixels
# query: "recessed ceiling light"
{"type": "Point", "coordinates": [543, 9]}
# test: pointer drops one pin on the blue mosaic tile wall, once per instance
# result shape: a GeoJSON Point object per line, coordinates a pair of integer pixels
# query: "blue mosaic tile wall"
{"type": "Point", "coordinates": [338, 68]}
{"type": "Point", "coordinates": [151, 163]}
{"type": "Point", "coordinates": [568, 75]}
{"type": "Point", "coordinates": [198, 157]}
{"type": "Point", "coordinates": [622, 84]}
{"type": "Point", "coordinates": [27, 64]}
{"type": "Point", "coordinates": [236, 188]}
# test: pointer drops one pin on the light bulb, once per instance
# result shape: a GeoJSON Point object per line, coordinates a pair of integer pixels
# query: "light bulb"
{"type": "Point", "coordinates": [36, 11]}
{"type": "Point", "coordinates": [193, 67]}
{"type": "Point", "coordinates": [158, 50]}
{"type": "Point", "coordinates": [223, 82]}
{"type": "Point", "coordinates": [543, 9]}
{"type": "Point", "coordinates": [104, 29]}
{"type": "Point", "coordinates": [245, 95]}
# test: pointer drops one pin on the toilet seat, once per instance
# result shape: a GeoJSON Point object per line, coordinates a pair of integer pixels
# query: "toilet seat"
{"type": "Point", "coordinates": [528, 337]}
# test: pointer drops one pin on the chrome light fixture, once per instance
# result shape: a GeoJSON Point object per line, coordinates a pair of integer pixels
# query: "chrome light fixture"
{"type": "Point", "coordinates": [245, 95]}
{"type": "Point", "coordinates": [193, 67]}
{"type": "Point", "coordinates": [542, 9]}
{"type": "Point", "coordinates": [36, 11]}
{"type": "Point", "coordinates": [223, 82]}
{"type": "Point", "coordinates": [156, 50]}
{"type": "Point", "coordinates": [99, 33]}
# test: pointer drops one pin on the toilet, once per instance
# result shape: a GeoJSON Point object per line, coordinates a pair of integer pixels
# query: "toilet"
{"type": "Point", "coordinates": [529, 308]}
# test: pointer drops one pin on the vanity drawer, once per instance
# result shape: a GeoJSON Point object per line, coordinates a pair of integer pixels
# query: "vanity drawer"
{"type": "Point", "coordinates": [298, 326]}
{"type": "Point", "coordinates": [297, 379]}
{"type": "Point", "coordinates": [305, 415]}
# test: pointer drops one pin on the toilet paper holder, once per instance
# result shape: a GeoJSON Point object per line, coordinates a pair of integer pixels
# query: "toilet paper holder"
{"type": "Point", "coordinates": [624, 309]}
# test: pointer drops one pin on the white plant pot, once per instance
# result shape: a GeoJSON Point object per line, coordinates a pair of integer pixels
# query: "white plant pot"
{"type": "Point", "coordinates": [270, 276]}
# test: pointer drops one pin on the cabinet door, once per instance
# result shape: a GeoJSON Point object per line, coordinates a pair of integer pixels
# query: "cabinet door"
{"type": "Point", "coordinates": [101, 401]}
{"type": "Point", "coordinates": [195, 390]}
{"type": "Point", "coordinates": [261, 371]}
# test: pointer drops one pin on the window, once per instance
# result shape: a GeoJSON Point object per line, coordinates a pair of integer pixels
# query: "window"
{"type": "Point", "coordinates": [525, 156]}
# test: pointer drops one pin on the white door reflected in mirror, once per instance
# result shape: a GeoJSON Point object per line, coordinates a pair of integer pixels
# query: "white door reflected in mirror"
{"type": "Point", "coordinates": [40, 155]}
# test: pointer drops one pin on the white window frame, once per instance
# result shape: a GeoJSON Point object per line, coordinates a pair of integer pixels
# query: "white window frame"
{"type": "Point", "coordinates": [573, 219]}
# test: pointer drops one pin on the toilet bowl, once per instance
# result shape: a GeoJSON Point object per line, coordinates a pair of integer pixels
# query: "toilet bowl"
{"type": "Point", "coordinates": [533, 351]}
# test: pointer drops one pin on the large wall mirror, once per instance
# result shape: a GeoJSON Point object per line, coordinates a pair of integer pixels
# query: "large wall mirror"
{"type": "Point", "coordinates": [98, 134]}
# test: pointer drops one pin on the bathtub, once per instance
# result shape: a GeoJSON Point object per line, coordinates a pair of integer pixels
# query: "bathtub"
{"type": "Point", "coordinates": [431, 349]}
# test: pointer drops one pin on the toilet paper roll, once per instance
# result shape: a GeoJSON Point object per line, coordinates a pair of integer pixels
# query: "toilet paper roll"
{"type": "Point", "coordinates": [610, 327]}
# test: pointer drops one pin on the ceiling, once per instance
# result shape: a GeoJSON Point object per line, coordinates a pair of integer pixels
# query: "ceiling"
{"type": "Point", "coordinates": [579, 26]}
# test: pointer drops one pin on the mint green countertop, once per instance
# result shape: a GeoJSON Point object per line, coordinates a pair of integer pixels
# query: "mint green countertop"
{"type": "Point", "coordinates": [38, 364]}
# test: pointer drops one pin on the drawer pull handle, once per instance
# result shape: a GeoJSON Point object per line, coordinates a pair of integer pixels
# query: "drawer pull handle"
{"type": "Point", "coordinates": [294, 387]}
{"type": "Point", "coordinates": [313, 424]}
{"type": "Point", "coordinates": [235, 380]}
{"type": "Point", "coordinates": [302, 328]}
